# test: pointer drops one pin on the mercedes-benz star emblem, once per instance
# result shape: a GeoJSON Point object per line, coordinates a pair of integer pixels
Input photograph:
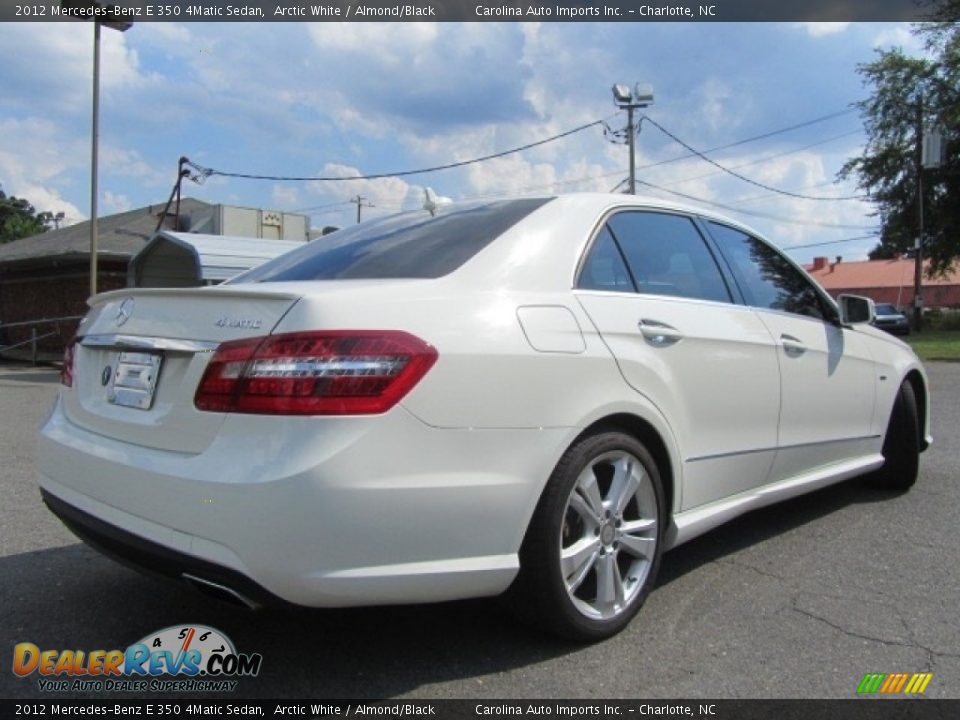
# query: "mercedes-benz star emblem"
{"type": "Point", "coordinates": [124, 312]}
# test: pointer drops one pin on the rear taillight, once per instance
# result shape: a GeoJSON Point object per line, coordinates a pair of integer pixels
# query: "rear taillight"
{"type": "Point", "coordinates": [357, 372]}
{"type": "Point", "coordinates": [66, 372]}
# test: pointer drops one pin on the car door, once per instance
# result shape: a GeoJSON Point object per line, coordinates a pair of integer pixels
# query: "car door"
{"type": "Point", "coordinates": [657, 296]}
{"type": "Point", "coordinates": [827, 373]}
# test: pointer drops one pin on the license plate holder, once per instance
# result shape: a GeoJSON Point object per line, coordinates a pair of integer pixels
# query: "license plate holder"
{"type": "Point", "coordinates": [133, 382]}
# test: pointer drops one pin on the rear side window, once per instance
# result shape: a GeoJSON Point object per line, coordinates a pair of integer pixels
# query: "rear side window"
{"type": "Point", "coordinates": [605, 268]}
{"type": "Point", "coordinates": [409, 245]}
{"type": "Point", "coordinates": [664, 253]}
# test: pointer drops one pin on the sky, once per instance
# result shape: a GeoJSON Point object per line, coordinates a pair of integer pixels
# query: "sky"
{"type": "Point", "coordinates": [342, 99]}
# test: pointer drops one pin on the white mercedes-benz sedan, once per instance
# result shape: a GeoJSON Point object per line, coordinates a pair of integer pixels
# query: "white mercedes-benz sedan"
{"type": "Point", "coordinates": [533, 397]}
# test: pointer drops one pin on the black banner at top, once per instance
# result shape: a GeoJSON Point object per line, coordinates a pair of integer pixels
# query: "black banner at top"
{"type": "Point", "coordinates": [487, 709]}
{"type": "Point", "coordinates": [134, 11]}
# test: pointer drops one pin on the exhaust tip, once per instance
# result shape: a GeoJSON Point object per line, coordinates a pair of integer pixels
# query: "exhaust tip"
{"type": "Point", "coordinates": [220, 592]}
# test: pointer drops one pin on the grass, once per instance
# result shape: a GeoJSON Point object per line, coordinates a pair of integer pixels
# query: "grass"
{"type": "Point", "coordinates": [936, 344]}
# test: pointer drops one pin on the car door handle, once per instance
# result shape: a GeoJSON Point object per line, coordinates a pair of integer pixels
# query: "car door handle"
{"type": "Point", "coordinates": [792, 346]}
{"type": "Point", "coordinates": [659, 334]}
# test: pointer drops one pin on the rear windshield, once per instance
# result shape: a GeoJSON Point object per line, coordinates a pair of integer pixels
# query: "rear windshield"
{"type": "Point", "coordinates": [408, 245]}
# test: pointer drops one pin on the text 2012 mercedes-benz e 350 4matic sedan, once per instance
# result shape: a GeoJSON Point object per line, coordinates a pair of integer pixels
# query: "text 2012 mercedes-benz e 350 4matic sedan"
{"type": "Point", "coordinates": [534, 396]}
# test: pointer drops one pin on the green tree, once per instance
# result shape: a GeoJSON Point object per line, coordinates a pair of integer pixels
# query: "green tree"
{"type": "Point", "coordinates": [905, 89]}
{"type": "Point", "coordinates": [19, 219]}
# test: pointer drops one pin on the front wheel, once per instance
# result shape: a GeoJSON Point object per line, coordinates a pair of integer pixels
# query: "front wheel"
{"type": "Point", "coordinates": [901, 446]}
{"type": "Point", "coordinates": [591, 553]}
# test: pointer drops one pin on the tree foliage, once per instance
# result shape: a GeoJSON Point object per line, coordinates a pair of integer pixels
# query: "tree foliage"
{"type": "Point", "coordinates": [903, 89]}
{"type": "Point", "coordinates": [19, 219]}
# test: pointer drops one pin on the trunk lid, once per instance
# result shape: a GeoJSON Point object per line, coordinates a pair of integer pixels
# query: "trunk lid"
{"type": "Point", "coordinates": [141, 354]}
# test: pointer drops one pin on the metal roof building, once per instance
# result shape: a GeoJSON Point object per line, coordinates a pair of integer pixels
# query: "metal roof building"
{"type": "Point", "coordinates": [177, 259]}
{"type": "Point", "coordinates": [46, 277]}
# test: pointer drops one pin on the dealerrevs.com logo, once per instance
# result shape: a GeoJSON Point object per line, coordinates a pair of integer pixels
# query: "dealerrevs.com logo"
{"type": "Point", "coordinates": [181, 658]}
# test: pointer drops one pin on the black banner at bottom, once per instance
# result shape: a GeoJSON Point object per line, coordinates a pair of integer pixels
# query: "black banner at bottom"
{"type": "Point", "coordinates": [857, 709]}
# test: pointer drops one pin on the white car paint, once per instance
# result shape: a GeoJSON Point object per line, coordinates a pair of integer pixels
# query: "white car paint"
{"type": "Point", "coordinates": [431, 500]}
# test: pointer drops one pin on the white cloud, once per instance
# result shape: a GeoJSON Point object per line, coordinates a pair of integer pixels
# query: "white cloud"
{"type": "Point", "coordinates": [390, 43]}
{"type": "Point", "coordinates": [719, 105]}
{"type": "Point", "coordinates": [822, 29]}
{"type": "Point", "coordinates": [124, 162]}
{"type": "Point", "coordinates": [512, 175]}
{"type": "Point", "coordinates": [172, 34]}
{"type": "Point", "coordinates": [49, 200]}
{"type": "Point", "coordinates": [285, 197]}
{"type": "Point", "coordinates": [51, 65]}
{"type": "Point", "coordinates": [115, 203]}
{"type": "Point", "coordinates": [898, 36]}
{"type": "Point", "coordinates": [36, 162]}
{"type": "Point", "coordinates": [379, 197]}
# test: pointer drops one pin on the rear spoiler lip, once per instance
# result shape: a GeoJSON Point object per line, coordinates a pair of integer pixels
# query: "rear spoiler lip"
{"type": "Point", "coordinates": [219, 291]}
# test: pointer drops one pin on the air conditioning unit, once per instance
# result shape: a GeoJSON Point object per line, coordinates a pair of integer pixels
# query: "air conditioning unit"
{"type": "Point", "coordinates": [250, 222]}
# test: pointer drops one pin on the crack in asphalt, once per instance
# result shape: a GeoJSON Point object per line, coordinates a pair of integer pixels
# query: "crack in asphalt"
{"type": "Point", "coordinates": [912, 645]}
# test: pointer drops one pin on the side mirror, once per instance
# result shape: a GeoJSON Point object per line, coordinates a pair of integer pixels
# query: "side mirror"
{"type": "Point", "coordinates": [856, 310]}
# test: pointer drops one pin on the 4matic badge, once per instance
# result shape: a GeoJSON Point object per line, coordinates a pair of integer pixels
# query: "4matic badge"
{"type": "Point", "coordinates": [242, 323]}
{"type": "Point", "coordinates": [203, 656]}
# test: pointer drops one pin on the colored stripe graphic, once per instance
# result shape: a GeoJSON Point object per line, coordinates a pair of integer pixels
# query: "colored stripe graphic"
{"type": "Point", "coordinates": [919, 683]}
{"type": "Point", "coordinates": [871, 683]}
{"type": "Point", "coordinates": [894, 683]}
{"type": "Point", "coordinates": [889, 682]}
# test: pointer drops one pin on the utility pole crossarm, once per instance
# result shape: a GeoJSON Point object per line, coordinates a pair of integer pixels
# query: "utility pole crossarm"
{"type": "Point", "coordinates": [359, 202]}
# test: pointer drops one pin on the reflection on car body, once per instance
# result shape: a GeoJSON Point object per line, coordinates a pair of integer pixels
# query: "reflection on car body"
{"type": "Point", "coordinates": [892, 320]}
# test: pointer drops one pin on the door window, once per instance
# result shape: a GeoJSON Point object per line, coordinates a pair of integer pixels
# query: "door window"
{"type": "Point", "coordinates": [766, 278]}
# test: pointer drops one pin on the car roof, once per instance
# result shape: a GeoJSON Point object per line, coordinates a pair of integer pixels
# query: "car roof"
{"type": "Point", "coordinates": [601, 202]}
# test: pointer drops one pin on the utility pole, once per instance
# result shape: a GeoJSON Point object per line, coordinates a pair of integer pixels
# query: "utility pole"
{"type": "Point", "coordinates": [632, 182]}
{"type": "Point", "coordinates": [358, 201]}
{"type": "Point", "coordinates": [94, 158]}
{"type": "Point", "coordinates": [918, 246]}
{"type": "Point", "coordinates": [106, 17]}
{"type": "Point", "coordinates": [625, 98]}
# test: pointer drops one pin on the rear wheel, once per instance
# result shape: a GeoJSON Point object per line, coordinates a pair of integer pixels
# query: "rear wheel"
{"type": "Point", "coordinates": [901, 446]}
{"type": "Point", "coordinates": [593, 548]}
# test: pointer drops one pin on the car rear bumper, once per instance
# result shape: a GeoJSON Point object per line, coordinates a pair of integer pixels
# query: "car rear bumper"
{"type": "Point", "coordinates": [151, 557]}
{"type": "Point", "coordinates": [324, 512]}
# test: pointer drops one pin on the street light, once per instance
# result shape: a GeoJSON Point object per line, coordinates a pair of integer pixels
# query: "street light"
{"type": "Point", "coordinates": [640, 97]}
{"type": "Point", "coordinates": [106, 15]}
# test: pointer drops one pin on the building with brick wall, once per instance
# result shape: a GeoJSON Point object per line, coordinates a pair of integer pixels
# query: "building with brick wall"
{"type": "Point", "coordinates": [47, 276]}
{"type": "Point", "coordinates": [885, 281]}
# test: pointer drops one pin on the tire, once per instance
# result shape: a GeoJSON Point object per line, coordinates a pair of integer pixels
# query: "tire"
{"type": "Point", "coordinates": [593, 547]}
{"type": "Point", "coordinates": [901, 446]}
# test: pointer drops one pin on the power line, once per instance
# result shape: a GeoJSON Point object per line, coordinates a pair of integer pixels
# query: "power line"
{"type": "Point", "coordinates": [588, 178]}
{"type": "Point", "coordinates": [774, 156]}
{"type": "Point", "coordinates": [830, 242]}
{"type": "Point", "coordinates": [207, 172]}
{"type": "Point", "coordinates": [736, 143]}
{"type": "Point", "coordinates": [744, 177]}
{"type": "Point", "coordinates": [323, 207]}
{"type": "Point", "coordinates": [753, 213]}
{"type": "Point", "coordinates": [763, 136]}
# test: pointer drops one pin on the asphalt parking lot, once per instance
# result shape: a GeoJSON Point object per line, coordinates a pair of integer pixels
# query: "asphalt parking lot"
{"type": "Point", "coordinates": [794, 601]}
